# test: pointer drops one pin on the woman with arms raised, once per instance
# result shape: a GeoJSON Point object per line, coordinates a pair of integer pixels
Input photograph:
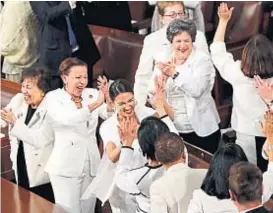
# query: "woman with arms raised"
{"type": "Point", "coordinates": [128, 112]}
{"type": "Point", "coordinates": [74, 112]}
{"type": "Point", "coordinates": [248, 107]}
{"type": "Point", "coordinates": [190, 78]}
{"type": "Point", "coordinates": [30, 133]}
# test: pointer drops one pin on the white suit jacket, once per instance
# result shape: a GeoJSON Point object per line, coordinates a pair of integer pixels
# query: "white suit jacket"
{"type": "Point", "coordinates": [173, 191]}
{"type": "Point", "coordinates": [196, 78]}
{"type": "Point", "coordinates": [203, 203]}
{"type": "Point", "coordinates": [154, 43]}
{"type": "Point", "coordinates": [75, 133]}
{"type": "Point", "coordinates": [37, 136]}
{"type": "Point", "coordinates": [245, 117]}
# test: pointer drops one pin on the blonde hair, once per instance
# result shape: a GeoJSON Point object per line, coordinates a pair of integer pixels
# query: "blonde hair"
{"type": "Point", "coordinates": [161, 6]}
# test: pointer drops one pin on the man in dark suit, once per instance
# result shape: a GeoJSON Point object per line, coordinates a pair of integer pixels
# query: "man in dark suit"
{"type": "Point", "coordinates": [64, 33]}
{"type": "Point", "coordinates": [246, 188]}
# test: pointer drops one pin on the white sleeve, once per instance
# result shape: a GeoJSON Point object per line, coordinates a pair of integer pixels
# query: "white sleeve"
{"type": "Point", "coordinates": [268, 183]}
{"type": "Point", "coordinates": [143, 73]}
{"type": "Point", "coordinates": [61, 115]}
{"type": "Point", "coordinates": [225, 64]}
{"type": "Point", "coordinates": [124, 179]}
{"type": "Point", "coordinates": [201, 42]}
{"type": "Point", "coordinates": [158, 203]}
{"type": "Point", "coordinates": [38, 138]}
{"type": "Point", "coordinates": [170, 124]}
{"type": "Point", "coordinates": [195, 205]}
{"type": "Point", "coordinates": [202, 79]}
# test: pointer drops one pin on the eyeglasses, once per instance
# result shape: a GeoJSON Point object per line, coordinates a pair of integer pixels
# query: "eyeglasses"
{"type": "Point", "coordinates": [174, 14]}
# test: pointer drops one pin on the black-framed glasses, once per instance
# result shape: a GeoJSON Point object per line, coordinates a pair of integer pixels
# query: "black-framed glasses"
{"type": "Point", "coordinates": [174, 14]}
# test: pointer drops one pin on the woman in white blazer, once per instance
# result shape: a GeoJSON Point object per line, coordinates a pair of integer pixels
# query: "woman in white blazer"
{"type": "Point", "coordinates": [74, 111]}
{"type": "Point", "coordinates": [189, 75]}
{"type": "Point", "coordinates": [248, 107]}
{"type": "Point", "coordinates": [156, 41]}
{"type": "Point", "coordinates": [214, 197]}
{"type": "Point", "coordinates": [30, 133]}
{"type": "Point", "coordinates": [126, 110]}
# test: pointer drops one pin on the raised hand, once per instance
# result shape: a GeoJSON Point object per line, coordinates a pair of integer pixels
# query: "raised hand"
{"type": "Point", "coordinates": [265, 89]}
{"type": "Point", "coordinates": [224, 13]}
{"type": "Point", "coordinates": [127, 129]}
{"type": "Point", "coordinates": [103, 85]}
{"type": "Point", "coordinates": [167, 69]}
{"type": "Point", "coordinates": [8, 116]}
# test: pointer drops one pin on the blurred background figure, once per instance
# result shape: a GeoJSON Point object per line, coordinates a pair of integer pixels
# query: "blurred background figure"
{"type": "Point", "coordinates": [64, 33]}
{"type": "Point", "coordinates": [112, 14]}
{"type": "Point", "coordinates": [19, 38]}
{"type": "Point", "coordinates": [193, 11]}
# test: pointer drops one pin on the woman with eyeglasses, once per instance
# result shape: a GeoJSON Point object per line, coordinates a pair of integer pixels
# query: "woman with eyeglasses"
{"type": "Point", "coordinates": [157, 41]}
{"type": "Point", "coordinates": [189, 75]}
{"type": "Point", "coordinates": [127, 113]}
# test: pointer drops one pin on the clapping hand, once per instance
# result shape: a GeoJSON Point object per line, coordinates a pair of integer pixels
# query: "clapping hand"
{"type": "Point", "coordinates": [224, 13]}
{"type": "Point", "coordinates": [103, 85]}
{"type": "Point", "coordinates": [267, 129]}
{"type": "Point", "coordinates": [265, 90]}
{"type": "Point", "coordinates": [167, 69]}
{"type": "Point", "coordinates": [127, 130]}
{"type": "Point", "coordinates": [8, 116]}
{"type": "Point", "coordinates": [159, 97]}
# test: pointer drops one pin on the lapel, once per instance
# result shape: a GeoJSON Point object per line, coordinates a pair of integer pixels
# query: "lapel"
{"type": "Point", "coordinates": [38, 115]}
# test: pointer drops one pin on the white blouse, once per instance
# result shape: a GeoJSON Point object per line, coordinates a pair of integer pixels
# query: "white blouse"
{"type": "Point", "coordinates": [103, 186]}
{"type": "Point", "coordinates": [248, 108]}
{"type": "Point", "coordinates": [195, 81]}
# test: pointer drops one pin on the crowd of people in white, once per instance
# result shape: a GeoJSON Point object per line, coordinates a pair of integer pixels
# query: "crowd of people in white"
{"type": "Point", "coordinates": [144, 165]}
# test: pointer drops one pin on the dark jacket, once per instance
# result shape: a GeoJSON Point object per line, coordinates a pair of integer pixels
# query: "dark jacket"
{"type": "Point", "coordinates": [54, 40]}
{"type": "Point", "coordinates": [259, 210]}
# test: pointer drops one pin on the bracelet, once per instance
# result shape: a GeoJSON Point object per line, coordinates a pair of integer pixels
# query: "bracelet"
{"type": "Point", "coordinates": [175, 75]}
{"type": "Point", "coordinates": [164, 116]}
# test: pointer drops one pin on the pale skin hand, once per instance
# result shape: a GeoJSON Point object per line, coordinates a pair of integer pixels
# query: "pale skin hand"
{"type": "Point", "coordinates": [167, 69]}
{"type": "Point", "coordinates": [224, 15]}
{"type": "Point", "coordinates": [127, 131]}
{"type": "Point", "coordinates": [103, 85]}
{"type": "Point", "coordinates": [97, 103]}
{"type": "Point", "coordinates": [8, 116]}
{"type": "Point", "coordinates": [265, 89]}
{"type": "Point", "coordinates": [267, 129]}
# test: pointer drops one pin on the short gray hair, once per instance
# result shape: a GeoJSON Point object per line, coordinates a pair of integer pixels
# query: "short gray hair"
{"type": "Point", "coordinates": [181, 25]}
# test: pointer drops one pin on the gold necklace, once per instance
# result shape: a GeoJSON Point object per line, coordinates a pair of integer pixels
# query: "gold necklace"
{"type": "Point", "coordinates": [76, 100]}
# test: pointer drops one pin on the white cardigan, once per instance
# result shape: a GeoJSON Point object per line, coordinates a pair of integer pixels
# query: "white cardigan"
{"type": "Point", "coordinates": [248, 107]}
{"type": "Point", "coordinates": [196, 79]}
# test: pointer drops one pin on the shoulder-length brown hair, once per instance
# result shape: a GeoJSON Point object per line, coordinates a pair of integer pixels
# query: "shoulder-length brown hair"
{"type": "Point", "coordinates": [257, 57]}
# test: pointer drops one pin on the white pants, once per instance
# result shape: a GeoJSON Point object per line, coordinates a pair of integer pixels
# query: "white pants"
{"type": "Point", "coordinates": [248, 144]}
{"type": "Point", "coordinates": [68, 191]}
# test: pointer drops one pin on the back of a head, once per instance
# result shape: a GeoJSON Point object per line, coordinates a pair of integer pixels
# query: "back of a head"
{"type": "Point", "coordinates": [245, 183]}
{"type": "Point", "coordinates": [150, 129]}
{"type": "Point", "coordinates": [257, 57]}
{"type": "Point", "coordinates": [216, 180]}
{"type": "Point", "coordinates": [169, 148]}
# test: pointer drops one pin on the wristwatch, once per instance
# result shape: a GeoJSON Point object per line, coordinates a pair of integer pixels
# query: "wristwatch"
{"type": "Point", "coordinates": [175, 75]}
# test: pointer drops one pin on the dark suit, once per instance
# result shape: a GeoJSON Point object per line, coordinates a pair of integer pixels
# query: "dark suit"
{"type": "Point", "coordinates": [259, 210]}
{"type": "Point", "coordinates": [54, 39]}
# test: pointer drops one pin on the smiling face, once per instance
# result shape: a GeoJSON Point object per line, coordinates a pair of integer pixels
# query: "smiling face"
{"type": "Point", "coordinates": [33, 95]}
{"type": "Point", "coordinates": [171, 13]}
{"type": "Point", "coordinates": [76, 80]}
{"type": "Point", "coordinates": [125, 104]}
{"type": "Point", "coordinates": [182, 46]}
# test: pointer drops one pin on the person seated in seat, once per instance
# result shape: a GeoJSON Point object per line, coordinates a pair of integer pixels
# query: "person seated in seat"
{"type": "Point", "coordinates": [246, 187]}
{"type": "Point", "coordinates": [190, 76]}
{"type": "Point", "coordinates": [30, 131]}
{"type": "Point", "coordinates": [172, 192]}
{"type": "Point", "coordinates": [157, 41]}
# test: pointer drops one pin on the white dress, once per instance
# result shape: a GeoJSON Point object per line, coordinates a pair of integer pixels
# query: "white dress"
{"type": "Point", "coordinates": [103, 186]}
